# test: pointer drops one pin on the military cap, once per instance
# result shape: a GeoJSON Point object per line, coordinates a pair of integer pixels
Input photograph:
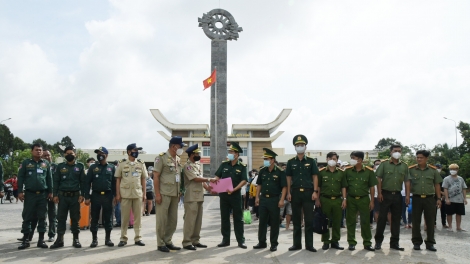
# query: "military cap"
{"type": "Point", "coordinates": [69, 148]}
{"type": "Point", "coordinates": [177, 140]}
{"type": "Point", "coordinates": [300, 139]}
{"type": "Point", "coordinates": [235, 147]}
{"type": "Point", "coordinates": [438, 165]}
{"type": "Point", "coordinates": [193, 149]}
{"type": "Point", "coordinates": [133, 146]}
{"type": "Point", "coordinates": [102, 149]}
{"type": "Point", "coordinates": [269, 153]}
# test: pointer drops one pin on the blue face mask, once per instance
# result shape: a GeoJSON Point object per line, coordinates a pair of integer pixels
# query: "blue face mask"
{"type": "Point", "coordinates": [231, 156]}
{"type": "Point", "coordinates": [267, 163]}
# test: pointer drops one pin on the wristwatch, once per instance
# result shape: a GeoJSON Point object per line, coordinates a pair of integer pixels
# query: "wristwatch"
{"type": "Point", "coordinates": [315, 191]}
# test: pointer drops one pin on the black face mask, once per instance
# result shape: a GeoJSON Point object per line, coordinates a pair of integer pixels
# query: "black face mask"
{"type": "Point", "coordinates": [135, 154]}
{"type": "Point", "coordinates": [100, 157]}
{"type": "Point", "coordinates": [69, 157]}
{"type": "Point", "coordinates": [197, 158]}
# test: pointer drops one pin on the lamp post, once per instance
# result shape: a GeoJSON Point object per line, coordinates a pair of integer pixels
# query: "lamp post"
{"type": "Point", "coordinates": [5, 120]}
{"type": "Point", "coordinates": [455, 130]}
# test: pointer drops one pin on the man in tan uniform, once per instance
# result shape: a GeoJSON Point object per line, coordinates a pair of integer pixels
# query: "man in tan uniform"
{"type": "Point", "coordinates": [166, 181]}
{"type": "Point", "coordinates": [131, 177]}
{"type": "Point", "coordinates": [194, 183]}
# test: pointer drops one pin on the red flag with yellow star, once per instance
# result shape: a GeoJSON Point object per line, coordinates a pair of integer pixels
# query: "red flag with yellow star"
{"type": "Point", "coordinates": [209, 81]}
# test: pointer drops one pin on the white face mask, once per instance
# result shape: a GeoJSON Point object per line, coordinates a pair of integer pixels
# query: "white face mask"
{"type": "Point", "coordinates": [396, 155]}
{"type": "Point", "coordinates": [331, 163]}
{"type": "Point", "coordinates": [453, 172]}
{"type": "Point", "coordinates": [179, 152]}
{"type": "Point", "coordinates": [439, 170]}
{"type": "Point", "coordinates": [353, 162]}
{"type": "Point", "coordinates": [300, 149]}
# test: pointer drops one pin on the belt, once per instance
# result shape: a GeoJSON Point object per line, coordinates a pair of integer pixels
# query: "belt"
{"type": "Point", "coordinates": [423, 195]}
{"type": "Point", "coordinates": [303, 189]}
{"type": "Point", "coordinates": [357, 197]}
{"type": "Point", "coordinates": [330, 197]}
{"type": "Point", "coordinates": [36, 192]}
{"type": "Point", "coordinates": [394, 192]}
{"type": "Point", "coordinates": [71, 194]}
{"type": "Point", "coordinates": [270, 195]}
{"type": "Point", "coordinates": [101, 192]}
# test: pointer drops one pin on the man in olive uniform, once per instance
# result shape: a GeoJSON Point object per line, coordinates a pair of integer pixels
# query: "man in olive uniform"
{"type": "Point", "coordinates": [166, 181]}
{"type": "Point", "coordinates": [100, 179]}
{"type": "Point", "coordinates": [232, 200]}
{"type": "Point", "coordinates": [302, 184]}
{"type": "Point", "coordinates": [361, 180]}
{"type": "Point", "coordinates": [51, 206]}
{"type": "Point", "coordinates": [270, 195]}
{"type": "Point", "coordinates": [35, 175]}
{"type": "Point", "coordinates": [390, 175]}
{"type": "Point", "coordinates": [332, 187]}
{"type": "Point", "coordinates": [69, 185]}
{"type": "Point", "coordinates": [131, 178]}
{"type": "Point", "coordinates": [194, 184]}
{"type": "Point", "coordinates": [425, 183]}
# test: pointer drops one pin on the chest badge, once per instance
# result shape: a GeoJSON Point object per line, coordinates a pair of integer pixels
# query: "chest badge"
{"type": "Point", "coordinates": [96, 169]}
{"type": "Point", "coordinates": [63, 170]}
{"type": "Point", "coordinates": [238, 170]}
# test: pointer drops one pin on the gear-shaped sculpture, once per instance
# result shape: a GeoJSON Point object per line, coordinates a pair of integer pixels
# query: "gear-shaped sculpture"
{"type": "Point", "coordinates": [229, 28]}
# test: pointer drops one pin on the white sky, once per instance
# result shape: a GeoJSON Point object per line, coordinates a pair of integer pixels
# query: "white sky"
{"type": "Point", "coordinates": [352, 71]}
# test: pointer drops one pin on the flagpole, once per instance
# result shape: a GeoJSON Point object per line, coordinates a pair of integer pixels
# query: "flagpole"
{"type": "Point", "coordinates": [215, 109]}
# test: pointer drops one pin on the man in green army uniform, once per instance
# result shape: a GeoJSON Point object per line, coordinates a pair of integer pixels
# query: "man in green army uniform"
{"type": "Point", "coordinates": [302, 184]}
{"type": "Point", "coordinates": [331, 188]}
{"type": "Point", "coordinates": [232, 200]}
{"type": "Point", "coordinates": [391, 174]}
{"type": "Point", "coordinates": [51, 206]}
{"type": "Point", "coordinates": [194, 184]}
{"type": "Point", "coordinates": [360, 180]}
{"type": "Point", "coordinates": [425, 183]}
{"type": "Point", "coordinates": [166, 181]}
{"type": "Point", "coordinates": [69, 185]}
{"type": "Point", "coordinates": [270, 195]}
{"type": "Point", "coordinates": [100, 179]}
{"type": "Point", "coordinates": [35, 175]}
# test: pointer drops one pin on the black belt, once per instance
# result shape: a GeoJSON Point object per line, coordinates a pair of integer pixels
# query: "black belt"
{"type": "Point", "coordinates": [303, 189]}
{"type": "Point", "coordinates": [423, 196]}
{"type": "Point", "coordinates": [36, 192]}
{"type": "Point", "coordinates": [270, 195]}
{"type": "Point", "coordinates": [391, 192]}
{"type": "Point", "coordinates": [330, 197]}
{"type": "Point", "coordinates": [357, 197]}
{"type": "Point", "coordinates": [71, 194]}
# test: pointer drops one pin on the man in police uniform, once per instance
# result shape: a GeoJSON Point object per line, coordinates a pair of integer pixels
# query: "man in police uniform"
{"type": "Point", "coordinates": [390, 175]}
{"type": "Point", "coordinates": [35, 175]}
{"type": "Point", "coordinates": [361, 180]}
{"type": "Point", "coordinates": [232, 200]}
{"type": "Point", "coordinates": [332, 187]}
{"type": "Point", "coordinates": [100, 179]}
{"type": "Point", "coordinates": [270, 195]}
{"type": "Point", "coordinates": [166, 181]}
{"type": "Point", "coordinates": [302, 184]}
{"type": "Point", "coordinates": [51, 206]}
{"type": "Point", "coordinates": [194, 183]}
{"type": "Point", "coordinates": [69, 185]}
{"type": "Point", "coordinates": [425, 183]}
{"type": "Point", "coordinates": [131, 178]}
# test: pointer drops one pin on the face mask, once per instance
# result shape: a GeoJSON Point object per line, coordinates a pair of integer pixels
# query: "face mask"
{"type": "Point", "coordinates": [197, 158]}
{"type": "Point", "coordinates": [179, 152]}
{"type": "Point", "coordinates": [396, 155]}
{"type": "Point", "coordinates": [135, 154]}
{"type": "Point", "coordinates": [230, 156]}
{"type": "Point", "coordinates": [331, 163]}
{"type": "Point", "coordinates": [439, 170]}
{"type": "Point", "coordinates": [353, 162]}
{"type": "Point", "coordinates": [453, 172]}
{"type": "Point", "coordinates": [69, 157]}
{"type": "Point", "coordinates": [300, 149]}
{"type": "Point", "coordinates": [267, 163]}
{"type": "Point", "coordinates": [100, 157]}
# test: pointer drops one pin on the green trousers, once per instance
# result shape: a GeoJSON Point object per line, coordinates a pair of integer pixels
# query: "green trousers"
{"type": "Point", "coordinates": [68, 204]}
{"type": "Point", "coordinates": [35, 204]}
{"type": "Point", "coordinates": [268, 212]}
{"type": "Point", "coordinates": [428, 207]}
{"type": "Point", "coordinates": [99, 201]}
{"type": "Point", "coordinates": [231, 202]}
{"type": "Point", "coordinates": [52, 217]}
{"type": "Point", "coordinates": [360, 205]}
{"type": "Point", "coordinates": [332, 209]}
{"type": "Point", "coordinates": [302, 200]}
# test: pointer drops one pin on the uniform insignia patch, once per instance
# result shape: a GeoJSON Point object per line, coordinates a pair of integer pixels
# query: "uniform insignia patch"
{"type": "Point", "coordinates": [77, 169]}
{"type": "Point", "coordinates": [65, 176]}
{"type": "Point", "coordinates": [157, 159]}
{"type": "Point", "coordinates": [238, 170]}
{"type": "Point", "coordinates": [96, 169]}
{"type": "Point", "coordinates": [189, 168]}
{"type": "Point", "coordinates": [109, 169]}
{"type": "Point", "coordinates": [308, 164]}
{"type": "Point", "coordinates": [30, 166]}
{"type": "Point", "coordinates": [63, 170]}
{"type": "Point", "coordinates": [299, 138]}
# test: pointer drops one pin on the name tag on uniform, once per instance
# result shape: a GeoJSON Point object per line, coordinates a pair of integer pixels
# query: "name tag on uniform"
{"type": "Point", "coordinates": [39, 171]}
{"type": "Point", "coordinates": [135, 174]}
{"type": "Point", "coordinates": [177, 178]}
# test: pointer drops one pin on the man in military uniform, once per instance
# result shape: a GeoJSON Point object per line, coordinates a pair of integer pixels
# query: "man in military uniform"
{"type": "Point", "coordinates": [332, 187]}
{"type": "Point", "coordinates": [425, 183]}
{"type": "Point", "coordinates": [302, 184]}
{"type": "Point", "coordinates": [131, 178]}
{"type": "Point", "coordinates": [69, 185]}
{"type": "Point", "coordinates": [270, 195]}
{"type": "Point", "coordinates": [100, 179]}
{"type": "Point", "coordinates": [51, 206]}
{"type": "Point", "coordinates": [194, 183]}
{"type": "Point", "coordinates": [361, 180]}
{"type": "Point", "coordinates": [390, 175]}
{"type": "Point", "coordinates": [166, 181]}
{"type": "Point", "coordinates": [232, 200]}
{"type": "Point", "coordinates": [35, 175]}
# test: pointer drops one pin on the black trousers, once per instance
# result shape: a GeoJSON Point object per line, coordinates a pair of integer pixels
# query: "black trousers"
{"type": "Point", "coordinates": [393, 203]}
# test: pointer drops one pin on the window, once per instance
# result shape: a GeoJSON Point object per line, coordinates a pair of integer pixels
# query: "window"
{"type": "Point", "coordinates": [206, 151]}
{"type": "Point", "coordinates": [206, 170]}
{"type": "Point", "coordinates": [245, 152]}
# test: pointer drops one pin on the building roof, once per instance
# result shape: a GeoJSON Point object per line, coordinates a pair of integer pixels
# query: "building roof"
{"type": "Point", "coordinates": [271, 127]}
{"type": "Point", "coordinates": [172, 126]}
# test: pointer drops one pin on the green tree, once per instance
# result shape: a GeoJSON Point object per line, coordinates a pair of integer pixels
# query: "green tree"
{"type": "Point", "coordinates": [82, 156]}
{"type": "Point", "coordinates": [6, 141]}
{"type": "Point", "coordinates": [384, 147]}
{"type": "Point", "coordinates": [464, 129]}
{"type": "Point", "coordinates": [12, 164]}
{"type": "Point", "coordinates": [44, 144]}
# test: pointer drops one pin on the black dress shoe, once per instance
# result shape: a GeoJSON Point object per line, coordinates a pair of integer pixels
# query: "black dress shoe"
{"type": "Point", "coordinates": [94, 243]}
{"type": "Point", "coordinates": [172, 247]}
{"type": "Point", "coordinates": [431, 248]}
{"type": "Point", "coordinates": [258, 246]}
{"type": "Point", "coordinates": [273, 248]}
{"type": "Point", "coordinates": [109, 243]}
{"type": "Point", "coordinates": [295, 248]}
{"type": "Point", "coordinates": [76, 243]}
{"type": "Point", "coordinates": [378, 245]}
{"type": "Point", "coordinates": [163, 249]}
{"type": "Point", "coordinates": [417, 247]}
{"type": "Point", "coordinates": [190, 247]}
{"type": "Point", "coordinates": [336, 246]}
{"type": "Point", "coordinates": [352, 247]}
{"type": "Point", "coordinates": [325, 246]}
{"type": "Point", "coordinates": [370, 248]}
{"type": "Point", "coordinates": [397, 247]}
{"type": "Point", "coordinates": [311, 249]}
{"type": "Point", "coordinates": [42, 244]}
{"type": "Point", "coordinates": [224, 244]}
{"type": "Point", "coordinates": [57, 244]}
{"type": "Point", "coordinates": [24, 245]}
{"type": "Point", "coordinates": [242, 245]}
{"type": "Point", "coordinates": [139, 243]}
{"type": "Point", "coordinates": [122, 243]}
{"type": "Point", "coordinates": [199, 245]}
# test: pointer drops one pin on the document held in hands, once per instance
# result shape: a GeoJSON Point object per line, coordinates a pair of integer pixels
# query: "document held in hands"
{"type": "Point", "coordinates": [222, 185]}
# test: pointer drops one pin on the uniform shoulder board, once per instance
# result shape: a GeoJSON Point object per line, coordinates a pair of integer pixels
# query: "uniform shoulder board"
{"type": "Point", "coordinates": [139, 160]}
{"type": "Point", "coordinates": [279, 168]}
{"type": "Point", "coordinates": [161, 154]}
{"type": "Point", "coordinates": [225, 161]}
{"type": "Point", "coordinates": [432, 166]}
{"type": "Point", "coordinates": [412, 166]}
{"type": "Point", "coordinates": [322, 169]}
{"type": "Point", "coordinates": [384, 160]}
{"type": "Point", "coordinates": [243, 164]}
{"type": "Point", "coordinates": [348, 167]}
{"type": "Point", "coordinates": [340, 169]}
{"type": "Point", "coordinates": [369, 168]}
{"type": "Point", "coordinates": [122, 160]}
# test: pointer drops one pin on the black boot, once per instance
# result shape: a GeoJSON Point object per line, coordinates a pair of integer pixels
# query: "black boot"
{"type": "Point", "coordinates": [31, 236]}
{"type": "Point", "coordinates": [59, 242]}
{"type": "Point", "coordinates": [107, 240]}
{"type": "Point", "coordinates": [76, 242]}
{"type": "Point", "coordinates": [94, 243]}
{"type": "Point", "coordinates": [25, 243]}
{"type": "Point", "coordinates": [41, 243]}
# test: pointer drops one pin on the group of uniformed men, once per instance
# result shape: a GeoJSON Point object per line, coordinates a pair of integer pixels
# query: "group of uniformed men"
{"type": "Point", "coordinates": [302, 183]}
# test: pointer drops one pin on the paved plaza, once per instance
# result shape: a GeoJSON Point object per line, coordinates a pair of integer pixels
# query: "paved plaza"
{"type": "Point", "coordinates": [452, 247]}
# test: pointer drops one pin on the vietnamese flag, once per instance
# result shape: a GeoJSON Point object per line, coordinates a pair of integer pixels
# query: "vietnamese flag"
{"type": "Point", "coordinates": [209, 81]}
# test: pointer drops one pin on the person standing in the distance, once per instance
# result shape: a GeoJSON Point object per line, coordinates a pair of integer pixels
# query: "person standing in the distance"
{"type": "Point", "coordinates": [332, 190]}
{"type": "Point", "coordinates": [148, 193]}
{"type": "Point", "coordinates": [270, 195]}
{"type": "Point", "coordinates": [36, 178]}
{"type": "Point", "coordinates": [131, 178]}
{"type": "Point", "coordinates": [361, 180]}
{"type": "Point", "coordinates": [390, 175]}
{"type": "Point", "coordinates": [424, 182]}
{"type": "Point", "coordinates": [166, 181]}
{"type": "Point", "coordinates": [14, 183]}
{"type": "Point", "coordinates": [100, 178]}
{"type": "Point", "coordinates": [232, 200]}
{"type": "Point", "coordinates": [69, 185]}
{"type": "Point", "coordinates": [302, 184]}
{"type": "Point", "coordinates": [455, 197]}
{"type": "Point", "coordinates": [194, 184]}
{"type": "Point", "coordinates": [51, 206]}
